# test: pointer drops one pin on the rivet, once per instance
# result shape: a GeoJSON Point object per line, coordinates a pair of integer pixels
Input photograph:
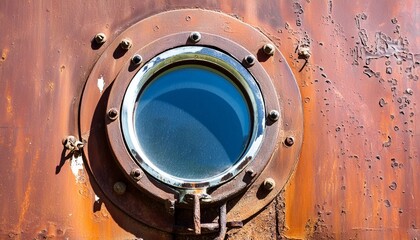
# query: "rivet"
{"type": "Point", "coordinates": [100, 38]}
{"type": "Point", "coordinates": [136, 173]}
{"type": "Point", "coordinates": [126, 44]}
{"type": "Point", "coordinates": [274, 115]}
{"type": "Point", "coordinates": [120, 188]}
{"type": "Point", "coordinates": [289, 141]}
{"type": "Point", "coordinates": [269, 184]}
{"type": "Point", "coordinates": [136, 59]}
{"type": "Point", "coordinates": [249, 60]}
{"type": "Point", "coordinates": [195, 37]}
{"type": "Point", "coordinates": [269, 49]}
{"type": "Point", "coordinates": [112, 114]}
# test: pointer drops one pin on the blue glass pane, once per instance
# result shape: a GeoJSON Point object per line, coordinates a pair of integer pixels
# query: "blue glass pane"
{"type": "Point", "coordinates": [192, 122]}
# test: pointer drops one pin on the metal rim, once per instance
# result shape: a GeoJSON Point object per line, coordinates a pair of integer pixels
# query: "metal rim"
{"type": "Point", "coordinates": [106, 153]}
{"type": "Point", "coordinates": [198, 54]}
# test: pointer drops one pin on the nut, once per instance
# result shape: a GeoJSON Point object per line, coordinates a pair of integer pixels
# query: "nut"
{"type": "Point", "coordinates": [112, 114]}
{"type": "Point", "coordinates": [274, 115]}
{"type": "Point", "coordinates": [249, 60]}
{"type": "Point", "coordinates": [268, 49]}
{"type": "Point", "coordinates": [269, 184]}
{"type": "Point", "coordinates": [195, 37]}
{"type": "Point", "coordinates": [136, 173]}
{"type": "Point", "coordinates": [100, 38]}
{"type": "Point", "coordinates": [289, 141]}
{"type": "Point", "coordinates": [136, 59]}
{"type": "Point", "coordinates": [126, 44]}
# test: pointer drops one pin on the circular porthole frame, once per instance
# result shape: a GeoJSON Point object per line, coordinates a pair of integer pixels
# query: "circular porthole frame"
{"type": "Point", "coordinates": [256, 163]}
{"type": "Point", "coordinates": [147, 199]}
{"type": "Point", "coordinates": [197, 55]}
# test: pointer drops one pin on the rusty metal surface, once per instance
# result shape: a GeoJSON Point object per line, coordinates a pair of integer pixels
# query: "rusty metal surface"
{"type": "Point", "coordinates": [357, 177]}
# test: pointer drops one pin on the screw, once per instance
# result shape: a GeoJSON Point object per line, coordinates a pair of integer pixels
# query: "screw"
{"type": "Point", "coordinates": [100, 38]}
{"type": "Point", "coordinates": [269, 184]}
{"type": "Point", "coordinates": [120, 188]}
{"type": "Point", "coordinates": [274, 115]}
{"type": "Point", "coordinates": [112, 114]}
{"type": "Point", "coordinates": [268, 49]}
{"type": "Point", "coordinates": [249, 60]}
{"type": "Point", "coordinates": [195, 37]}
{"type": "Point", "coordinates": [136, 59]}
{"type": "Point", "coordinates": [136, 173]}
{"type": "Point", "coordinates": [126, 44]}
{"type": "Point", "coordinates": [289, 141]}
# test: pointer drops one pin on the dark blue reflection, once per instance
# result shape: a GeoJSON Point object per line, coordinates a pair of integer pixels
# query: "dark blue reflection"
{"type": "Point", "coordinates": [192, 122]}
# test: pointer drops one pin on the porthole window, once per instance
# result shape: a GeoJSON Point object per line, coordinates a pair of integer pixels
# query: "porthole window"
{"type": "Point", "coordinates": [191, 116]}
{"type": "Point", "coordinates": [190, 125]}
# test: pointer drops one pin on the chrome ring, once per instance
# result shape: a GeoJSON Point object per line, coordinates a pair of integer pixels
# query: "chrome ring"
{"type": "Point", "coordinates": [204, 55]}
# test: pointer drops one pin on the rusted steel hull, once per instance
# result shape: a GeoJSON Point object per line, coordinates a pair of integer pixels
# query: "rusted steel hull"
{"type": "Point", "coordinates": [356, 64]}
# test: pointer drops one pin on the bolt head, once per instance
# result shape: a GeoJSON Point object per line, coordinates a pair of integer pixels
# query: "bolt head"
{"type": "Point", "coordinates": [112, 114]}
{"type": "Point", "coordinates": [251, 172]}
{"type": "Point", "coordinates": [269, 49]}
{"type": "Point", "coordinates": [136, 173]}
{"type": "Point", "coordinates": [136, 59]}
{"type": "Point", "coordinates": [269, 184]}
{"type": "Point", "coordinates": [249, 60]}
{"type": "Point", "coordinates": [274, 115]}
{"type": "Point", "coordinates": [289, 141]}
{"type": "Point", "coordinates": [126, 44]}
{"type": "Point", "coordinates": [100, 38]}
{"type": "Point", "coordinates": [120, 188]}
{"type": "Point", "coordinates": [195, 37]}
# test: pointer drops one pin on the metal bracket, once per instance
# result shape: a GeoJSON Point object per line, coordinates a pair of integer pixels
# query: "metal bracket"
{"type": "Point", "coordinates": [198, 226]}
{"type": "Point", "coordinates": [73, 145]}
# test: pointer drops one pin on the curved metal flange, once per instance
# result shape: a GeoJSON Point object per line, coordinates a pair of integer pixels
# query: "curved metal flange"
{"type": "Point", "coordinates": [150, 37]}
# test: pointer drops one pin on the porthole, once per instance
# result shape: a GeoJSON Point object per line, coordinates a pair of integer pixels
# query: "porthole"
{"type": "Point", "coordinates": [191, 116]}
{"type": "Point", "coordinates": [199, 124]}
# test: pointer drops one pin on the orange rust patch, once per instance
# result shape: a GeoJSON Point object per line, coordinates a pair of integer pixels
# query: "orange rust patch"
{"type": "Point", "coordinates": [4, 54]}
{"type": "Point", "coordinates": [9, 107]}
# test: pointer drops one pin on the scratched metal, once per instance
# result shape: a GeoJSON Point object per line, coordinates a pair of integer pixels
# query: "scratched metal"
{"type": "Point", "coordinates": [357, 176]}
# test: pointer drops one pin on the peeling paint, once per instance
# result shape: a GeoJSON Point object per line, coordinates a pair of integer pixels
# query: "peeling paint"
{"type": "Point", "coordinates": [76, 166]}
{"type": "Point", "coordinates": [101, 84]}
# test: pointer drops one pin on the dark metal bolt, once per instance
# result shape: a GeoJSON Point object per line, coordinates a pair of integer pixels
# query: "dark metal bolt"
{"type": "Point", "coordinates": [112, 114]}
{"type": "Point", "coordinates": [136, 59]}
{"type": "Point", "coordinates": [100, 38]}
{"type": "Point", "coordinates": [249, 60]}
{"type": "Point", "coordinates": [274, 115]}
{"type": "Point", "coordinates": [120, 188]}
{"type": "Point", "coordinates": [136, 173]}
{"type": "Point", "coordinates": [251, 172]}
{"type": "Point", "coordinates": [269, 49]}
{"type": "Point", "coordinates": [289, 141]}
{"type": "Point", "coordinates": [269, 184]}
{"type": "Point", "coordinates": [126, 44]}
{"type": "Point", "coordinates": [195, 37]}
